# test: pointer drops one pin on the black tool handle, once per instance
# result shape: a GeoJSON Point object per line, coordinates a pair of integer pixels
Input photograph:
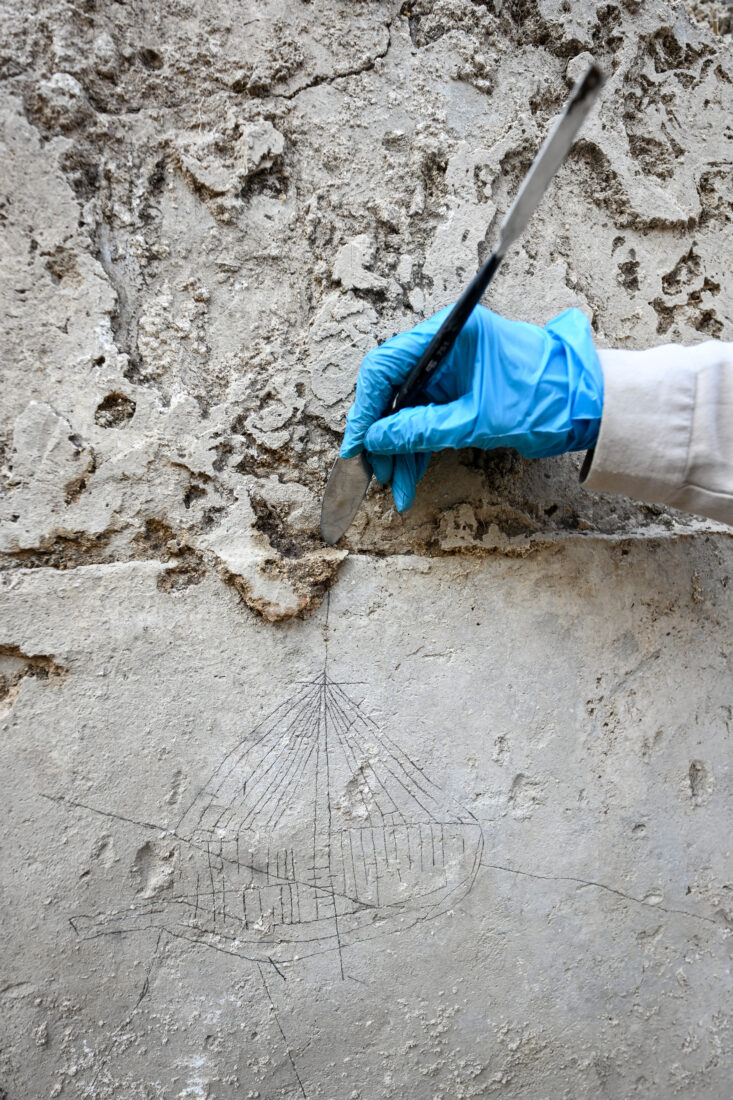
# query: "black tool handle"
{"type": "Point", "coordinates": [550, 156]}
{"type": "Point", "coordinates": [445, 337]}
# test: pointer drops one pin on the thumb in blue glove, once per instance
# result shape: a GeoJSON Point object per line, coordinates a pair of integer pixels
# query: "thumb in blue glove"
{"type": "Point", "coordinates": [503, 384]}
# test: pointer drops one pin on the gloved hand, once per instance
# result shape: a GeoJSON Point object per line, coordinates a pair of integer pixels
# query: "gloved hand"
{"type": "Point", "coordinates": [504, 384]}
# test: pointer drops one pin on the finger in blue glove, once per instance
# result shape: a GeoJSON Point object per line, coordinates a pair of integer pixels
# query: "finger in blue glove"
{"type": "Point", "coordinates": [503, 384]}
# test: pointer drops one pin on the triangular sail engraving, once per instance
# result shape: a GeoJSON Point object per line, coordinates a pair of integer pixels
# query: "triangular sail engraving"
{"type": "Point", "coordinates": [314, 831]}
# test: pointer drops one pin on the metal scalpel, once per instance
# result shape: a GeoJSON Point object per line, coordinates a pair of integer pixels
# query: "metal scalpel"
{"type": "Point", "coordinates": [350, 477]}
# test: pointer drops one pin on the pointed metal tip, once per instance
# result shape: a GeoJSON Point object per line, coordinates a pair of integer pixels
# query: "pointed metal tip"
{"type": "Point", "coordinates": [345, 490]}
{"type": "Point", "coordinates": [594, 77]}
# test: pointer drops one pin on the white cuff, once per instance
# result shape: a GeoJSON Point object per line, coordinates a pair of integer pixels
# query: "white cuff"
{"type": "Point", "coordinates": [648, 406]}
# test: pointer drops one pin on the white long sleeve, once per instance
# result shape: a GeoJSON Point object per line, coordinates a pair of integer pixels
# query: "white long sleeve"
{"type": "Point", "coordinates": [667, 428]}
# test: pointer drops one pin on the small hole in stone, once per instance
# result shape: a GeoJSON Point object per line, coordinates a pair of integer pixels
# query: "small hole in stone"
{"type": "Point", "coordinates": [114, 411]}
{"type": "Point", "coordinates": [150, 58]}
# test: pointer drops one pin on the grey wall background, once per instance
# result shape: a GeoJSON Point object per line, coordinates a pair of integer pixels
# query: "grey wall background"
{"type": "Point", "coordinates": [441, 813]}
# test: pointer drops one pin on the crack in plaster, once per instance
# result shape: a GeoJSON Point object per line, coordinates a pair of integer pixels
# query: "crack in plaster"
{"type": "Point", "coordinates": [603, 886]}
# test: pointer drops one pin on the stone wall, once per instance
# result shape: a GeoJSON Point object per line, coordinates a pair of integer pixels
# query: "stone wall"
{"type": "Point", "coordinates": [443, 812]}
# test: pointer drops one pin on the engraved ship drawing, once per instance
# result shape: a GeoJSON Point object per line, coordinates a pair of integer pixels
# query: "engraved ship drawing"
{"type": "Point", "coordinates": [315, 831]}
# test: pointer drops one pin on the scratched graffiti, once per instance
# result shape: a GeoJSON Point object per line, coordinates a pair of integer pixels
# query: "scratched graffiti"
{"type": "Point", "coordinates": [316, 830]}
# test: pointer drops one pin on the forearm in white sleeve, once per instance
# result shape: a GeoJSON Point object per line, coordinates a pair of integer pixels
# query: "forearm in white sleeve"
{"type": "Point", "coordinates": [667, 428]}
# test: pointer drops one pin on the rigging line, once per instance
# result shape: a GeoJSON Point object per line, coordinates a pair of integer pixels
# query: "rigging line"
{"type": "Point", "coordinates": [325, 632]}
{"type": "Point", "coordinates": [406, 789]}
{"type": "Point", "coordinates": [328, 795]}
{"type": "Point", "coordinates": [363, 857]}
{"type": "Point", "coordinates": [398, 752]}
{"type": "Point", "coordinates": [343, 859]}
{"type": "Point", "coordinates": [392, 755]}
{"type": "Point", "coordinates": [338, 935]}
{"type": "Point", "coordinates": [348, 722]}
{"type": "Point", "coordinates": [325, 749]}
{"type": "Point", "coordinates": [353, 861]}
{"type": "Point", "coordinates": [199, 941]}
{"type": "Point", "coordinates": [396, 853]}
{"type": "Point", "coordinates": [211, 876]}
{"type": "Point", "coordinates": [354, 766]}
{"type": "Point", "coordinates": [347, 736]}
{"type": "Point", "coordinates": [244, 747]}
{"type": "Point", "coordinates": [255, 869]}
{"type": "Point", "coordinates": [303, 705]}
{"type": "Point", "coordinates": [62, 800]}
{"type": "Point", "coordinates": [315, 807]}
{"type": "Point", "coordinates": [282, 1033]}
{"type": "Point", "coordinates": [308, 705]}
{"type": "Point", "coordinates": [288, 707]}
{"type": "Point", "coordinates": [311, 701]}
{"type": "Point", "coordinates": [291, 788]}
{"type": "Point", "coordinates": [285, 781]}
{"type": "Point", "coordinates": [288, 762]}
{"type": "Point", "coordinates": [462, 815]}
{"type": "Point", "coordinates": [366, 719]}
{"type": "Point", "coordinates": [278, 760]}
{"type": "Point", "coordinates": [290, 703]}
{"type": "Point", "coordinates": [376, 864]}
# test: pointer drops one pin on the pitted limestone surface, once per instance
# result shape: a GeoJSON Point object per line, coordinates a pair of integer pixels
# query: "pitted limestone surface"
{"type": "Point", "coordinates": [210, 218]}
{"type": "Point", "coordinates": [462, 833]}
{"type": "Point", "coordinates": [458, 824]}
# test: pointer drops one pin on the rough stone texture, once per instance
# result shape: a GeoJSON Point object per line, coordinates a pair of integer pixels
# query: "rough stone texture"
{"type": "Point", "coordinates": [209, 214]}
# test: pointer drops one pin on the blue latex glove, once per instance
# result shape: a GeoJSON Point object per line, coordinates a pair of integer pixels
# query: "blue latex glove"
{"type": "Point", "coordinates": [504, 384]}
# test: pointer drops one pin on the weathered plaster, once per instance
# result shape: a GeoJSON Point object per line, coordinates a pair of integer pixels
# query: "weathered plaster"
{"type": "Point", "coordinates": [208, 215]}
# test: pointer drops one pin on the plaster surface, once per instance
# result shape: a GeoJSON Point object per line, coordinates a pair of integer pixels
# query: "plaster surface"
{"type": "Point", "coordinates": [441, 812]}
{"type": "Point", "coordinates": [523, 886]}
